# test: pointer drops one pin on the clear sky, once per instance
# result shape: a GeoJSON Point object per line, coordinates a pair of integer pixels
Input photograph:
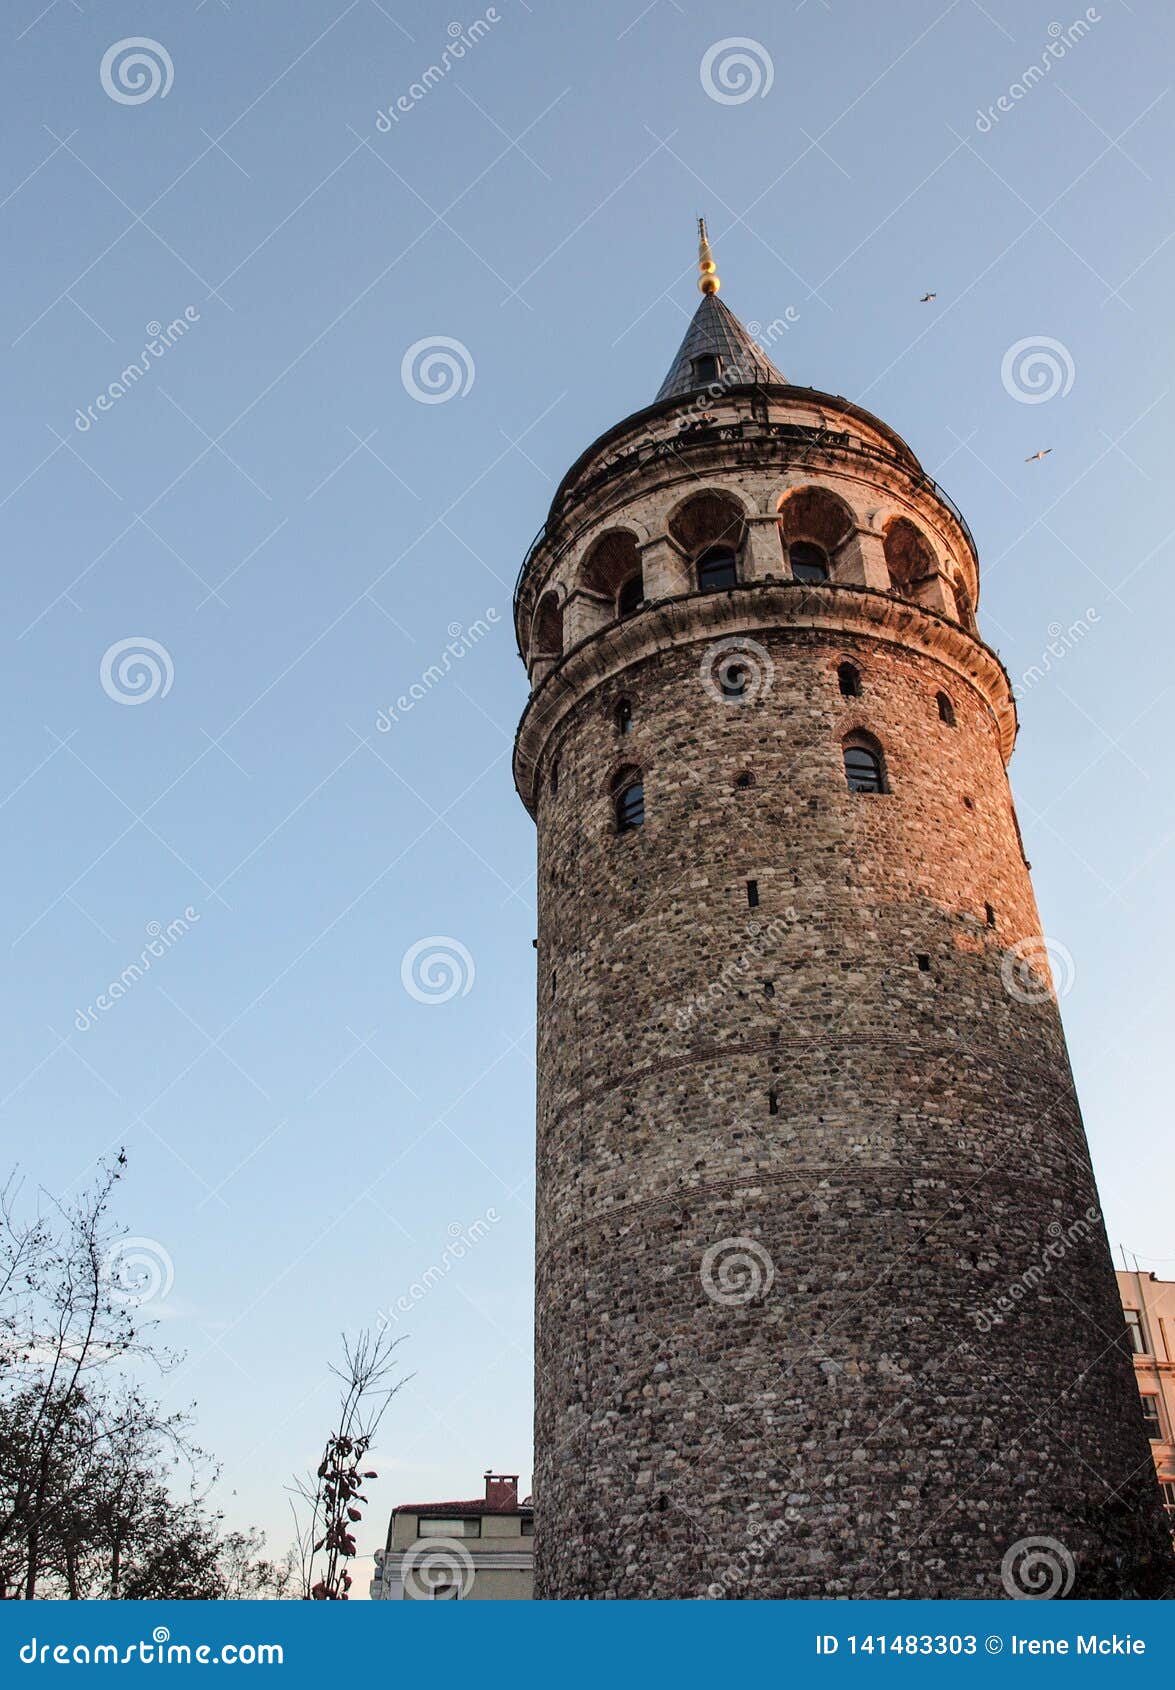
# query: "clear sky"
{"type": "Point", "coordinates": [298, 533]}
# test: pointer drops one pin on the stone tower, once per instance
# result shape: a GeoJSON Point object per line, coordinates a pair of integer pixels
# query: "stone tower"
{"type": "Point", "coordinates": [824, 1300]}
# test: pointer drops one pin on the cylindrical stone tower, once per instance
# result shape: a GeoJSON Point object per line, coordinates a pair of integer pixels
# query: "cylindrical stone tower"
{"type": "Point", "coordinates": [825, 1305]}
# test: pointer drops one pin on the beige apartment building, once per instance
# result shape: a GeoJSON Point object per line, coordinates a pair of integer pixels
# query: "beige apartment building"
{"type": "Point", "coordinates": [1149, 1305]}
{"type": "Point", "coordinates": [480, 1550]}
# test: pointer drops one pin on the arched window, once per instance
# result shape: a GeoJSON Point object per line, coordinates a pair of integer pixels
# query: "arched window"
{"type": "Point", "coordinates": [864, 766]}
{"type": "Point", "coordinates": [808, 562]}
{"type": "Point", "coordinates": [628, 800]}
{"type": "Point", "coordinates": [946, 710]}
{"type": "Point", "coordinates": [547, 640]}
{"type": "Point", "coordinates": [622, 716]}
{"type": "Point", "coordinates": [849, 679]}
{"type": "Point", "coordinates": [631, 595]}
{"type": "Point", "coordinates": [716, 570]}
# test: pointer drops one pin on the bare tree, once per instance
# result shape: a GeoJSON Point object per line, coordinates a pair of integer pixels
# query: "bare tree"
{"type": "Point", "coordinates": [328, 1504]}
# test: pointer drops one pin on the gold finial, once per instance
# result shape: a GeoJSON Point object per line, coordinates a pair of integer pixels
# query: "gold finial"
{"type": "Point", "coordinates": [708, 271]}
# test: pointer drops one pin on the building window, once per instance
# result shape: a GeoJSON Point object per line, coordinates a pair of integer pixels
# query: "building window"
{"type": "Point", "coordinates": [623, 716]}
{"type": "Point", "coordinates": [732, 679]}
{"type": "Point", "coordinates": [1167, 1487]}
{"type": "Point", "coordinates": [1150, 1414]}
{"type": "Point", "coordinates": [526, 1527]}
{"type": "Point", "coordinates": [744, 780]}
{"type": "Point", "coordinates": [946, 710]}
{"type": "Point", "coordinates": [808, 562]}
{"type": "Point", "coordinates": [1137, 1334]}
{"type": "Point", "coordinates": [631, 595]}
{"type": "Point", "coordinates": [436, 1527]}
{"type": "Point", "coordinates": [849, 680]}
{"type": "Point", "coordinates": [554, 776]}
{"type": "Point", "coordinates": [989, 914]}
{"type": "Point", "coordinates": [716, 570]}
{"type": "Point", "coordinates": [863, 768]}
{"type": "Point", "coordinates": [706, 369]}
{"type": "Point", "coordinates": [628, 800]}
{"type": "Point", "coordinates": [446, 1593]}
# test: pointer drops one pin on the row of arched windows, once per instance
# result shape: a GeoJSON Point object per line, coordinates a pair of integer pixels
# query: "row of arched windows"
{"type": "Point", "coordinates": [817, 534]}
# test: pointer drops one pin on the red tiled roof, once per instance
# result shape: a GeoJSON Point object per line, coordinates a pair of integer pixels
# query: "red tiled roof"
{"type": "Point", "coordinates": [478, 1506]}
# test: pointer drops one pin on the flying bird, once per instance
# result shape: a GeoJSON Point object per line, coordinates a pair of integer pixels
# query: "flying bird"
{"type": "Point", "coordinates": [1043, 453]}
{"type": "Point", "coordinates": [926, 298]}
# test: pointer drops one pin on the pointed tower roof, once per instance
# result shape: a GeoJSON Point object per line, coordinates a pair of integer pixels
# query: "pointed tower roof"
{"type": "Point", "coordinates": [716, 333]}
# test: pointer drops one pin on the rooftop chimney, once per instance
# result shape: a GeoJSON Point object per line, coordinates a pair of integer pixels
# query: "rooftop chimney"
{"type": "Point", "coordinates": [502, 1489]}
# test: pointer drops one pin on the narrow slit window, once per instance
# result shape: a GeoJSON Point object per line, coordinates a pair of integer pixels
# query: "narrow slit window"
{"type": "Point", "coordinates": [773, 1103]}
{"type": "Point", "coordinates": [946, 710]}
{"type": "Point", "coordinates": [752, 894]}
{"type": "Point", "coordinates": [623, 716]}
{"type": "Point", "coordinates": [989, 914]}
{"type": "Point", "coordinates": [849, 679]}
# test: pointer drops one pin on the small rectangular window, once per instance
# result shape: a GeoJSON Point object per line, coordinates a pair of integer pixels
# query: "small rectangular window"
{"type": "Point", "coordinates": [433, 1526]}
{"type": "Point", "coordinates": [527, 1528]}
{"type": "Point", "coordinates": [1150, 1414]}
{"type": "Point", "coordinates": [753, 894]}
{"type": "Point", "coordinates": [1168, 1490]}
{"type": "Point", "coordinates": [989, 912]}
{"type": "Point", "coordinates": [924, 964]}
{"type": "Point", "coordinates": [773, 1103]}
{"type": "Point", "coordinates": [1135, 1329]}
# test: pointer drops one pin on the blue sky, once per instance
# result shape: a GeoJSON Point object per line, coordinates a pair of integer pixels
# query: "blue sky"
{"type": "Point", "coordinates": [297, 535]}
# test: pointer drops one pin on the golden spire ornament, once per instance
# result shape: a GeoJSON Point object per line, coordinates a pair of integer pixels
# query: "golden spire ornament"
{"type": "Point", "coordinates": [707, 269]}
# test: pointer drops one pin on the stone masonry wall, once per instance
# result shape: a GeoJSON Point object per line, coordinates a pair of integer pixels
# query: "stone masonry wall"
{"type": "Point", "coordinates": [790, 1156]}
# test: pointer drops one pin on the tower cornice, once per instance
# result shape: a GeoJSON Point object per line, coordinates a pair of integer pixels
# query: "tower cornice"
{"type": "Point", "coordinates": [757, 607]}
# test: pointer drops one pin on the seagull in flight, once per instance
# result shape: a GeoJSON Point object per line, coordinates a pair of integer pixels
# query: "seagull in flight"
{"type": "Point", "coordinates": [1036, 456]}
{"type": "Point", "coordinates": [926, 298]}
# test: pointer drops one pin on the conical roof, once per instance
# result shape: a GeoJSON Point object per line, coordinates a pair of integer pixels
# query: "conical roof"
{"type": "Point", "coordinates": [716, 332]}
